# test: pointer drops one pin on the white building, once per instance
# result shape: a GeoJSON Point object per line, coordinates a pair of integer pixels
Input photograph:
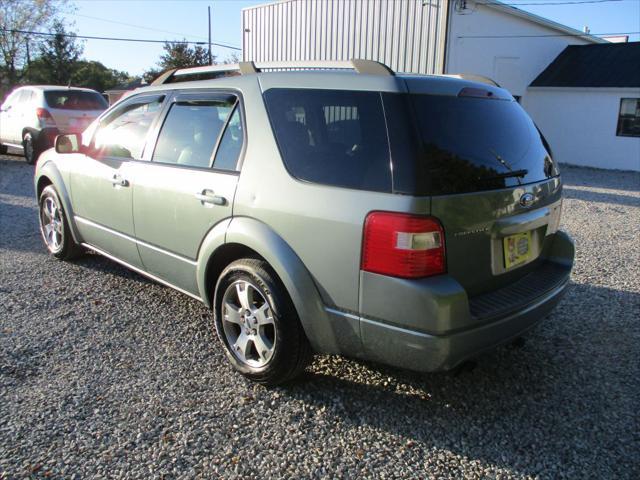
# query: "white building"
{"type": "Point", "coordinates": [587, 104]}
{"type": "Point", "coordinates": [483, 37]}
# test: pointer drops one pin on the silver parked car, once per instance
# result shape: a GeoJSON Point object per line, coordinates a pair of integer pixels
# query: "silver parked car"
{"type": "Point", "coordinates": [31, 117]}
{"type": "Point", "coordinates": [334, 207]}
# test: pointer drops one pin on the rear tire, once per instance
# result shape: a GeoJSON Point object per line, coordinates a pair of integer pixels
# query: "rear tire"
{"type": "Point", "coordinates": [54, 226]}
{"type": "Point", "coordinates": [30, 148]}
{"type": "Point", "coordinates": [258, 325]}
{"type": "Point", "coordinates": [3, 149]}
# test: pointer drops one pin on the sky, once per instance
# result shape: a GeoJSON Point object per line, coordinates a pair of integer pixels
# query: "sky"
{"type": "Point", "coordinates": [187, 19]}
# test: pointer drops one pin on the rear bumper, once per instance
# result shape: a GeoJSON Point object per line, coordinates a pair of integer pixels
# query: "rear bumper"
{"type": "Point", "coordinates": [423, 352]}
{"type": "Point", "coordinates": [450, 328]}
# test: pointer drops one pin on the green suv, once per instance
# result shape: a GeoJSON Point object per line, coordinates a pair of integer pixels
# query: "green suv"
{"type": "Point", "coordinates": [333, 207]}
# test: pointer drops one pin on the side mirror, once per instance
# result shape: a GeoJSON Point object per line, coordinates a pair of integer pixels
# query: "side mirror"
{"type": "Point", "coordinates": [68, 143]}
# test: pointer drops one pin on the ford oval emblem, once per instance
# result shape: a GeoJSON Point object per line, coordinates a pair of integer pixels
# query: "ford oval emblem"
{"type": "Point", "coordinates": [527, 200]}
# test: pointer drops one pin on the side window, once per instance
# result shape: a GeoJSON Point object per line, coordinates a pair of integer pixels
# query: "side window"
{"type": "Point", "coordinates": [21, 98]}
{"type": "Point", "coordinates": [24, 98]}
{"type": "Point", "coordinates": [123, 132]}
{"type": "Point", "coordinates": [629, 118]}
{"type": "Point", "coordinates": [231, 143]}
{"type": "Point", "coordinates": [343, 125]}
{"type": "Point", "coordinates": [190, 132]}
{"type": "Point", "coordinates": [332, 137]}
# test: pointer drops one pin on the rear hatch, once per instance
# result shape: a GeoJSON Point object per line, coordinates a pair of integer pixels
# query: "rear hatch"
{"type": "Point", "coordinates": [492, 182]}
{"type": "Point", "coordinates": [74, 110]}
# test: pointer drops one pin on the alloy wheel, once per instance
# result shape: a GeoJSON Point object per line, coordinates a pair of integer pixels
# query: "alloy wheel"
{"type": "Point", "coordinates": [51, 223]}
{"type": "Point", "coordinates": [248, 324]}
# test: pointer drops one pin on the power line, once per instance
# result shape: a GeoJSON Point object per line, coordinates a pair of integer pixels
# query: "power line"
{"type": "Point", "coordinates": [550, 35]}
{"type": "Point", "coordinates": [90, 37]}
{"type": "Point", "coordinates": [140, 26]}
{"type": "Point", "coordinates": [134, 26]}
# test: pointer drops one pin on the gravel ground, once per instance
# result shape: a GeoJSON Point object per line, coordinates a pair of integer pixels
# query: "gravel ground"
{"type": "Point", "coordinates": [105, 374]}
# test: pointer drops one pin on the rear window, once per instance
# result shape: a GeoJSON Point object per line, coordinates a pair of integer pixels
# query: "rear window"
{"type": "Point", "coordinates": [332, 137]}
{"type": "Point", "coordinates": [414, 144]}
{"type": "Point", "coordinates": [469, 144]}
{"type": "Point", "coordinates": [75, 100]}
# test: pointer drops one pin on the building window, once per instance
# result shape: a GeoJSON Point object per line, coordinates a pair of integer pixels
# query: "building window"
{"type": "Point", "coordinates": [629, 118]}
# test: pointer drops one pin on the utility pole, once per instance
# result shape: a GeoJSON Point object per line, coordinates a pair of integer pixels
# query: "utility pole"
{"type": "Point", "coordinates": [210, 58]}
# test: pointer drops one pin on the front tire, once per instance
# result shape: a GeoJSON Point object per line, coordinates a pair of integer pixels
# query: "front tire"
{"type": "Point", "coordinates": [54, 226]}
{"type": "Point", "coordinates": [258, 325]}
{"type": "Point", "coordinates": [30, 147]}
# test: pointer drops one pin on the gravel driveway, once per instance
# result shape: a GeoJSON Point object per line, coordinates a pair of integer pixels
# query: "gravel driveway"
{"type": "Point", "coordinates": [106, 374]}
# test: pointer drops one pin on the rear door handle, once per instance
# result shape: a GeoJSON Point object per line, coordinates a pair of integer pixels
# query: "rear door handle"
{"type": "Point", "coordinates": [118, 181]}
{"type": "Point", "coordinates": [207, 196]}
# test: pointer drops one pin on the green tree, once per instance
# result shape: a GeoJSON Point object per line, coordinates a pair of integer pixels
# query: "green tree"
{"type": "Point", "coordinates": [179, 55]}
{"type": "Point", "coordinates": [59, 55]}
{"type": "Point", "coordinates": [88, 74]}
{"type": "Point", "coordinates": [17, 17]}
{"type": "Point", "coordinates": [92, 74]}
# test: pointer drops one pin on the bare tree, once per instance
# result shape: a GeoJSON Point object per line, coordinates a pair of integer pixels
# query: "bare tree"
{"type": "Point", "coordinates": [233, 57]}
{"type": "Point", "coordinates": [17, 17]}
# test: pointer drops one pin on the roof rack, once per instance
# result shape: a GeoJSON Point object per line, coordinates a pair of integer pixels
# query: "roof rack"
{"type": "Point", "coordinates": [369, 67]}
{"type": "Point", "coordinates": [474, 78]}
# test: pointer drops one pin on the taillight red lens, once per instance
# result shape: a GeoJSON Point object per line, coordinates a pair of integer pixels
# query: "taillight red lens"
{"type": "Point", "coordinates": [43, 114]}
{"type": "Point", "coordinates": [45, 118]}
{"type": "Point", "coordinates": [402, 245]}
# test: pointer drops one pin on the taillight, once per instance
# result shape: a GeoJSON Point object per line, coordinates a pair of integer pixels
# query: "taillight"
{"type": "Point", "coordinates": [45, 118]}
{"type": "Point", "coordinates": [402, 245]}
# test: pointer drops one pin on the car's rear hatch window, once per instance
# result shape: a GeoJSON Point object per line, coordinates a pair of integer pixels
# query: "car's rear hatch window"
{"type": "Point", "coordinates": [74, 100]}
{"type": "Point", "coordinates": [465, 144]}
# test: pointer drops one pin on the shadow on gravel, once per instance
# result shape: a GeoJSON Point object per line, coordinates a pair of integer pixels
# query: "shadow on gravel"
{"type": "Point", "coordinates": [591, 196]}
{"type": "Point", "coordinates": [10, 167]}
{"type": "Point", "coordinates": [17, 234]}
{"type": "Point", "coordinates": [543, 394]}
{"type": "Point", "coordinates": [94, 261]}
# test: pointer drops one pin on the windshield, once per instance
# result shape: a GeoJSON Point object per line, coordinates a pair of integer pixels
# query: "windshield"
{"type": "Point", "coordinates": [75, 100]}
{"type": "Point", "coordinates": [472, 144]}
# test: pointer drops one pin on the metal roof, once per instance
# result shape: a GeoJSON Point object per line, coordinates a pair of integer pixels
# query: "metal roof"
{"type": "Point", "coordinates": [545, 22]}
{"type": "Point", "coordinates": [613, 65]}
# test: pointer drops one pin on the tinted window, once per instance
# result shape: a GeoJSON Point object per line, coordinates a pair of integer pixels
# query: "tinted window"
{"type": "Point", "coordinates": [231, 144]}
{"type": "Point", "coordinates": [629, 118]}
{"type": "Point", "coordinates": [75, 100]}
{"type": "Point", "coordinates": [123, 132]}
{"type": "Point", "coordinates": [470, 144]}
{"type": "Point", "coordinates": [190, 132]}
{"type": "Point", "coordinates": [332, 137]}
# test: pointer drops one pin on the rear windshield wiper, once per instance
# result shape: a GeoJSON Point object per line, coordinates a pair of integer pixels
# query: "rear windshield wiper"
{"type": "Point", "coordinates": [511, 174]}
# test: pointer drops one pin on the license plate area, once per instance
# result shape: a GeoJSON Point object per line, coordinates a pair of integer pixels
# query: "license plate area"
{"type": "Point", "coordinates": [517, 249]}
